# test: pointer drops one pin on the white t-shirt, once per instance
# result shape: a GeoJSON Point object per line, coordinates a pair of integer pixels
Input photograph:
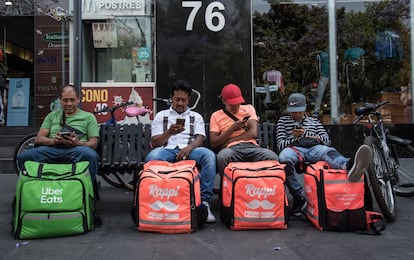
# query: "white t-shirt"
{"type": "Point", "coordinates": [181, 139]}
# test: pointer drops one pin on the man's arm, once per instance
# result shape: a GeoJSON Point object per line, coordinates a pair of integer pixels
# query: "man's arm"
{"type": "Point", "coordinates": [162, 139]}
{"type": "Point", "coordinates": [185, 152]}
{"type": "Point", "coordinates": [220, 140]}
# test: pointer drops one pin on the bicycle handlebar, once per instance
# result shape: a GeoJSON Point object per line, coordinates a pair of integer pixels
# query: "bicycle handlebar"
{"type": "Point", "coordinates": [168, 101]}
{"type": "Point", "coordinates": [113, 108]}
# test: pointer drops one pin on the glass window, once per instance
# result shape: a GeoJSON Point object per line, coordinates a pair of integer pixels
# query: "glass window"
{"type": "Point", "coordinates": [122, 50]}
{"type": "Point", "coordinates": [372, 57]}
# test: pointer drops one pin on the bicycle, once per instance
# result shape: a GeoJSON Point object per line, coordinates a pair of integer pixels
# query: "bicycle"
{"type": "Point", "coordinates": [383, 173]}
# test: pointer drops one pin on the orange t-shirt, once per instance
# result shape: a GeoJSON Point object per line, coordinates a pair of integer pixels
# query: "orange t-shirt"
{"type": "Point", "coordinates": [219, 122]}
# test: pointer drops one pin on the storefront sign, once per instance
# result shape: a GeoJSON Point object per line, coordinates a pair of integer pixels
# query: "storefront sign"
{"type": "Point", "coordinates": [96, 96]}
{"type": "Point", "coordinates": [19, 102]}
{"type": "Point", "coordinates": [99, 8]}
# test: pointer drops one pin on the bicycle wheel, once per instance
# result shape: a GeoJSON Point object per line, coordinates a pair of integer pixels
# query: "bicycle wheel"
{"type": "Point", "coordinates": [403, 155]}
{"type": "Point", "coordinates": [120, 179]}
{"type": "Point", "coordinates": [380, 179]}
{"type": "Point", "coordinates": [27, 143]}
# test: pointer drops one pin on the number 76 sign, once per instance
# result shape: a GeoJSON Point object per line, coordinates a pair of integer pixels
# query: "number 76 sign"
{"type": "Point", "coordinates": [213, 16]}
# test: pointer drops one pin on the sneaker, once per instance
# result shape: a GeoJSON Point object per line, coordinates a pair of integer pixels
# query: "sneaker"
{"type": "Point", "coordinates": [299, 205]}
{"type": "Point", "coordinates": [210, 217]}
{"type": "Point", "coordinates": [360, 163]}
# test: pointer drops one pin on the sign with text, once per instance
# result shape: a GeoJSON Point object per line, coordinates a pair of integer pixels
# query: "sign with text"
{"type": "Point", "coordinates": [96, 96]}
{"type": "Point", "coordinates": [18, 102]}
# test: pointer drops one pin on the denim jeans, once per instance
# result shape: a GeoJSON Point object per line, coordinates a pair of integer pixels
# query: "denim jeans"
{"type": "Point", "coordinates": [50, 154]}
{"type": "Point", "coordinates": [312, 155]}
{"type": "Point", "coordinates": [205, 159]}
{"type": "Point", "coordinates": [243, 152]}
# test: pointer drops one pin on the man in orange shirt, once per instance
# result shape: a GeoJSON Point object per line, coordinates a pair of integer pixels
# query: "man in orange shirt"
{"type": "Point", "coordinates": [233, 131]}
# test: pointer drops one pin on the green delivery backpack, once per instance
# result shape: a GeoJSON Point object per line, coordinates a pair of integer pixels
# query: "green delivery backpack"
{"type": "Point", "coordinates": [53, 200]}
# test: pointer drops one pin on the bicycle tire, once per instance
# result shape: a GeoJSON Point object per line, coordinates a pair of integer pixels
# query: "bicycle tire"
{"type": "Point", "coordinates": [27, 143]}
{"type": "Point", "coordinates": [120, 180]}
{"type": "Point", "coordinates": [380, 180]}
{"type": "Point", "coordinates": [405, 185]}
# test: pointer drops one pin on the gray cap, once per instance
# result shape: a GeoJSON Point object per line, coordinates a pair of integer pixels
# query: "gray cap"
{"type": "Point", "coordinates": [296, 103]}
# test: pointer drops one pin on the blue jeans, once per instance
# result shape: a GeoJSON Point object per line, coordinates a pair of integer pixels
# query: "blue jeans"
{"type": "Point", "coordinates": [243, 152]}
{"type": "Point", "coordinates": [50, 154]}
{"type": "Point", "coordinates": [312, 155]}
{"type": "Point", "coordinates": [205, 159]}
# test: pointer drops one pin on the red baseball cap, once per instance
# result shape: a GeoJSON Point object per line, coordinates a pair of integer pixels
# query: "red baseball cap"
{"type": "Point", "coordinates": [231, 93]}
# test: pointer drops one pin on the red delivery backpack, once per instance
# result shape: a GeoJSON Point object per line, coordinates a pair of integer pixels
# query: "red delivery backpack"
{"type": "Point", "coordinates": [167, 198]}
{"type": "Point", "coordinates": [336, 204]}
{"type": "Point", "coordinates": [253, 196]}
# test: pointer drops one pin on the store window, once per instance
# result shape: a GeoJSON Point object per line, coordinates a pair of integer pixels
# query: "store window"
{"type": "Point", "coordinates": [372, 57]}
{"type": "Point", "coordinates": [121, 50]}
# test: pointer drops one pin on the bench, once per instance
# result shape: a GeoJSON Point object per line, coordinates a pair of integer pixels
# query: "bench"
{"type": "Point", "coordinates": [123, 148]}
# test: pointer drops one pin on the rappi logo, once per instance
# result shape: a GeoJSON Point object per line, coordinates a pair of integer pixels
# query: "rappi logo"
{"type": "Point", "coordinates": [259, 192]}
{"type": "Point", "coordinates": [157, 192]}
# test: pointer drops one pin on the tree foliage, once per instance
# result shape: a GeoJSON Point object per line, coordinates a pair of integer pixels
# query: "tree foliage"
{"type": "Point", "coordinates": [288, 37]}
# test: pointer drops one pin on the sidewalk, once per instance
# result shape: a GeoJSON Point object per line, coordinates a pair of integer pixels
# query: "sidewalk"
{"type": "Point", "coordinates": [117, 238]}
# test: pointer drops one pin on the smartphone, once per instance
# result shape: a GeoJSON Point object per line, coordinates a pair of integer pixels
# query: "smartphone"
{"type": "Point", "coordinates": [246, 118]}
{"type": "Point", "coordinates": [65, 133]}
{"type": "Point", "coordinates": [297, 126]}
{"type": "Point", "coordinates": [180, 121]}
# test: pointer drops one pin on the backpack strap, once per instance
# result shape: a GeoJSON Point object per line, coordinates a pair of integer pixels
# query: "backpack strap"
{"type": "Point", "coordinates": [165, 123]}
{"type": "Point", "coordinates": [374, 223]}
{"type": "Point", "coordinates": [191, 138]}
{"type": "Point", "coordinates": [230, 115]}
{"type": "Point", "coordinates": [301, 166]}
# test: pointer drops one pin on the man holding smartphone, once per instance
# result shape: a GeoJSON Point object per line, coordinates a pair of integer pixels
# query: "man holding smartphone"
{"type": "Point", "coordinates": [178, 134]}
{"type": "Point", "coordinates": [233, 131]}
{"type": "Point", "coordinates": [302, 138]}
{"type": "Point", "coordinates": [66, 136]}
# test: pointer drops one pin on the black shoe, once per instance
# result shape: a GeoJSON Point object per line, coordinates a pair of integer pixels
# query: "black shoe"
{"type": "Point", "coordinates": [299, 205]}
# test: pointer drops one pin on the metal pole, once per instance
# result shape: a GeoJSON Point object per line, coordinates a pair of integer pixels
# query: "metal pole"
{"type": "Point", "coordinates": [77, 23]}
{"type": "Point", "coordinates": [62, 33]}
{"type": "Point", "coordinates": [412, 56]}
{"type": "Point", "coordinates": [332, 61]}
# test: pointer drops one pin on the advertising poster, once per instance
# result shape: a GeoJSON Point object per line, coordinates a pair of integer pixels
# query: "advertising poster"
{"type": "Point", "coordinates": [18, 102]}
{"type": "Point", "coordinates": [97, 96]}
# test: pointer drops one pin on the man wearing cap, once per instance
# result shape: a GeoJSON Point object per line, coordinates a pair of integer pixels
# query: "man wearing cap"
{"type": "Point", "coordinates": [233, 131]}
{"type": "Point", "coordinates": [299, 137]}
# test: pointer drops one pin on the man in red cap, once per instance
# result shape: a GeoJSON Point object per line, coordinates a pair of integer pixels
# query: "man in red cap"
{"type": "Point", "coordinates": [233, 131]}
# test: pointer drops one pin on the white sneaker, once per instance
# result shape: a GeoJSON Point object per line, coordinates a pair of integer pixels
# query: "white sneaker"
{"type": "Point", "coordinates": [362, 160]}
{"type": "Point", "coordinates": [210, 217]}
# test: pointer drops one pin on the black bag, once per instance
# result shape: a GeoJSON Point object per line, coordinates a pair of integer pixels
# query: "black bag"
{"type": "Point", "coordinates": [67, 128]}
{"type": "Point", "coordinates": [306, 142]}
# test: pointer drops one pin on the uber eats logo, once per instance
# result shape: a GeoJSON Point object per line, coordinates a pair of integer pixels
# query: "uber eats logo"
{"type": "Point", "coordinates": [50, 195]}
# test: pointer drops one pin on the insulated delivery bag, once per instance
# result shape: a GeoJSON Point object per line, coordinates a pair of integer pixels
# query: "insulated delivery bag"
{"type": "Point", "coordinates": [253, 196]}
{"type": "Point", "coordinates": [167, 198]}
{"type": "Point", "coordinates": [53, 200]}
{"type": "Point", "coordinates": [336, 204]}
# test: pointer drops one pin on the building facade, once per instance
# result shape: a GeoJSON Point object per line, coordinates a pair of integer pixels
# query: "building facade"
{"type": "Point", "coordinates": [132, 50]}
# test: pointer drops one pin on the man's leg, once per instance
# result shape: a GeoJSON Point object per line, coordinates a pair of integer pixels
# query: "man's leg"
{"type": "Point", "coordinates": [161, 153]}
{"type": "Point", "coordinates": [206, 159]}
{"type": "Point", "coordinates": [227, 155]}
{"type": "Point", "coordinates": [289, 157]}
{"type": "Point", "coordinates": [84, 153]}
{"type": "Point", "coordinates": [45, 154]}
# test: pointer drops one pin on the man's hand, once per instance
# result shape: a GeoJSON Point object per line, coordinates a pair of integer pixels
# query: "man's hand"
{"type": "Point", "coordinates": [184, 153]}
{"type": "Point", "coordinates": [237, 125]}
{"type": "Point", "coordinates": [298, 132]}
{"type": "Point", "coordinates": [175, 129]}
